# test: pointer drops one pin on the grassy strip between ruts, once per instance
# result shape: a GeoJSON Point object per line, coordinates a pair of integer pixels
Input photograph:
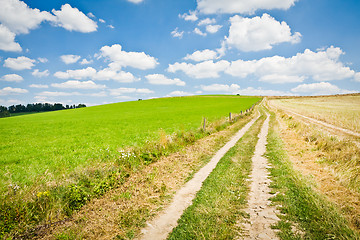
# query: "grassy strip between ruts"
{"type": "Point", "coordinates": [217, 208]}
{"type": "Point", "coordinates": [305, 213]}
{"type": "Point", "coordinates": [20, 217]}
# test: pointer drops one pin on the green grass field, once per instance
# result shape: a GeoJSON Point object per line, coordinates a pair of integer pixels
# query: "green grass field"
{"type": "Point", "coordinates": [56, 143]}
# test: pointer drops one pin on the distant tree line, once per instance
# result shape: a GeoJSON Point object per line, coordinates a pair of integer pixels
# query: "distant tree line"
{"type": "Point", "coordinates": [36, 107]}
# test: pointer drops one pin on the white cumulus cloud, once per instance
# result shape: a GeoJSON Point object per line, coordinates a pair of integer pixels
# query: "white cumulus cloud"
{"type": "Point", "coordinates": [19, 18]}
{"type": "Point", "coordinates": [160, 79]}
{"type": "Point", "coordinates": [139, 60]}
{"type": "Point", "coordinates": [69, 59]}
{"type": "Point", "coordinates": [121, 91]}
{"type": "Point", "coordinates": [91, 15]}
{"type": "Point", "coordinates": [177, 33]}
{"type": "Point", "coordinates": [12, 78]}
{"type": "Point", "coordinates": [37, 73]}
{"type": "Point", "coordinates": [73, 20]}
{"type": "Point", "coordinates": [323, 65]}
{"type": "Point", "coordinates": [278, 78]}
{"type": "Point", "coordinates": [19, 63]}
{"type": "Point", "coordinates": [191, 16]}
{"type": "Point", "coordinates": [43, 60]}
{"type": "Point", "coordinates": [77, 74]}
{"type": "Point", "coordinates": [241, 6]}
{"type": "Point", "coordinates": [179, 94]}
{"type": "Point", "coordinates": [74, 84]}
{"type": "Point", "coordinates": [207, 21]}
{"type": "Point", "coordinates": [135, 1]}
{"type": "Point", "coordinates": [104, 74]}
{"type": "Point", "coordinates": [258, 33]}
{"type": "Point", "coordinates": [113, 74]}
{"type": "Point", "coordinates": [16, 17]}
{"type": "Point", "coordinates": [213, 28]}
{"type": "Point", "coordinates": [199, 32]}
{"type": "Point", "coordinates": [10, 102]}
{"type": "Point", "coordinates": [200, 56]}
{"type": "Point", "coordinates": [39, 86]}
{"type": "Point", "coordinates": [12, 91]}
{"type": "Point", "coordinates": [321, 88]}
{"type": "Point", "coordinates": [7, 40]}
{"type": "Point", "coordinates": [58, 94]}
{"type": "Point", "coordinates": [207, 69]}
{"type": "Point", "coordinates": [85, 61]}
{"type": "Point", "coordinates": [357, 77]}
{"type": "Point", "coordinates": [220, 88]}
{"type": "Point", "coordinates": [250, 91]}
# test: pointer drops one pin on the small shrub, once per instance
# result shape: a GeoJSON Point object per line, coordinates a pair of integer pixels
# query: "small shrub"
{"type": "Point", "coordinates": [101, 188]}
{"type": "Point", "coordinates": [147, 158]}
{"type": "Point", "coordinates": [293, 125]}
{"type": "Point", "coordinates": [9, 216]}
{"type": "Point", "coordinates": [310, 138]}
{"type": "Point", "coordinates": [75, 198]}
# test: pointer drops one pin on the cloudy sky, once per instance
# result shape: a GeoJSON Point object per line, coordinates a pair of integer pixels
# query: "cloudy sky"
{"type": "Point", "coordinates": [96, 52]}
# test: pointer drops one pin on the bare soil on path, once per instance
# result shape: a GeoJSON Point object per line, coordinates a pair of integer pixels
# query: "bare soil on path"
{"type": "Point", "coordinates": [262, 214]}
{"type": "Point", "coordinates": [162, 225]}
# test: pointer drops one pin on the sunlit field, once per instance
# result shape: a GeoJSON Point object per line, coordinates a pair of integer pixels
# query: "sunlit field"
{"type": "Point", "coordinates": [55, 143]}
{"type": "Point", "coordinates": [343, 111]}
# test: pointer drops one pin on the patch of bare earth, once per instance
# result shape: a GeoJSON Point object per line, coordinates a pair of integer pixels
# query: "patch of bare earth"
{"type": "Point", "coordinates": [122, 212]}
{"type": "Point", "coordinates": [262, 214]}
{"type": "Point", "coordinates": [305, 159]}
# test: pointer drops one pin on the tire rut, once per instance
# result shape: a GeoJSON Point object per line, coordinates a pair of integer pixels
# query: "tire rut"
{"type": "Point", "coordinates": [262, 214]}
{"type": "Point", "coordinates": [162, 225]}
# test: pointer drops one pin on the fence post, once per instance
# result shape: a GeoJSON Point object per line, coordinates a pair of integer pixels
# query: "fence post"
{"type": "Point", "coordinates": [230, 119]}
{"type": "Point", "coordinates": [240, 112]}
{"type": "Point", "coordinates": [204, 124]}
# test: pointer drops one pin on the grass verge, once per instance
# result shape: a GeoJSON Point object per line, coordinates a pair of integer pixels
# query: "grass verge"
{"type": "Point", "coordinates": [342, 154]}
{"type": "Point", "coordinates": [61, 201]}
{"type": "Point", "coordinates": [306, 214]}
{"type": "Point", "coordinates": [217, 208]}
{"type": "Point", "coordinates": [122, 212]}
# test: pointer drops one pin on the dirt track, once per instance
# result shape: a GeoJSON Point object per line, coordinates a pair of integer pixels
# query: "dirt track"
{"type": "Point", "coordinates": [160, 227]}
{"type": "Point", "coordinates": [262, 215]}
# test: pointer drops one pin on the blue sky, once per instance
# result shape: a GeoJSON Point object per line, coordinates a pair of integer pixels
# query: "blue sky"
{"type": "Point", "coordinates": [98, 52]}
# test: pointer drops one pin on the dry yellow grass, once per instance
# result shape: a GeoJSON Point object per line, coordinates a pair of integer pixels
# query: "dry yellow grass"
{"type": "Point", "coordinates": [333, 173]}
{"type": "Point", "coordinates": [342, 111]}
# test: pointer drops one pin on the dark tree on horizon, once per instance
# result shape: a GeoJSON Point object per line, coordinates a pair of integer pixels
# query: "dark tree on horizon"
{"type": "Point", "coordinates": [35, 107]}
